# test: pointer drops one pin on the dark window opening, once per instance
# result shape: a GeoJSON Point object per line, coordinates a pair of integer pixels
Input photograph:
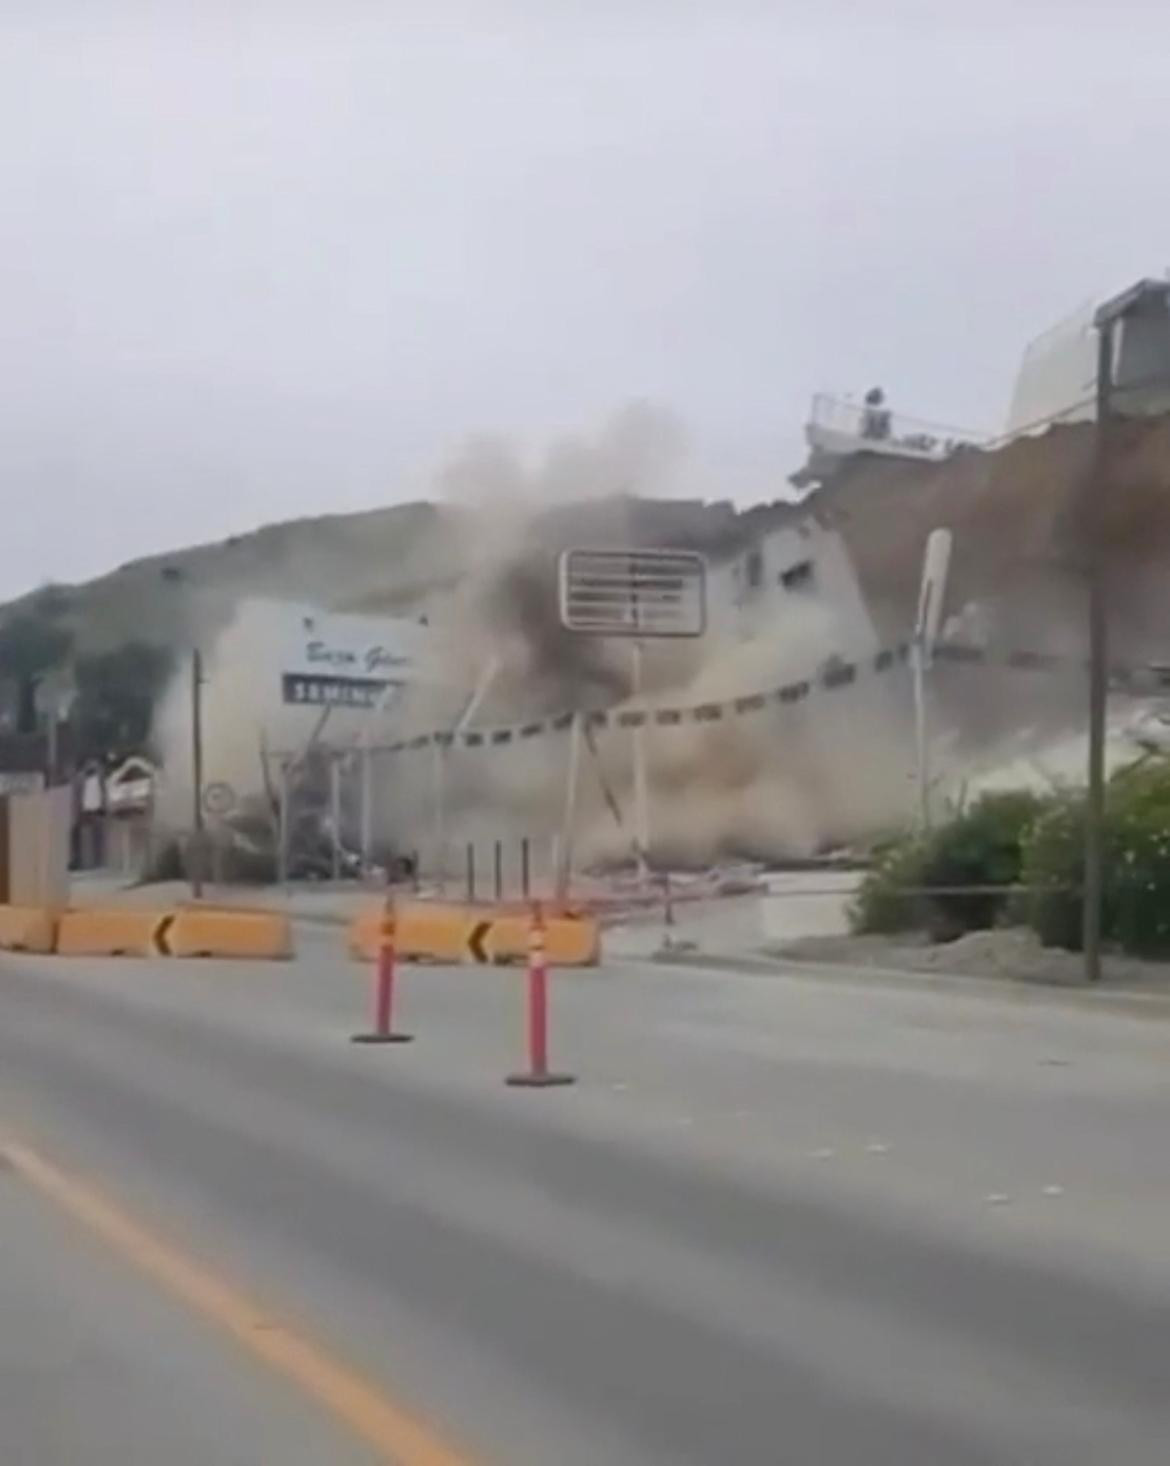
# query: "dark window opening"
{"type": "Point", "coordinates": [754, 569]}
{"type": "Point", "coordinates": [797, 577]}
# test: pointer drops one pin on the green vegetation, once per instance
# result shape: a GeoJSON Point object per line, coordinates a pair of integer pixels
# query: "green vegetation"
{"type": "Point", "coordinates": [978, 846]}
{"type": "Point", "coordinates": [1022, 839]}
{"type": "Point", "coordinates": [115, 690]}
{"type": "Point", "coordinates": [116, 693]}
{"type": "Point", "coordinates": [33, 643]}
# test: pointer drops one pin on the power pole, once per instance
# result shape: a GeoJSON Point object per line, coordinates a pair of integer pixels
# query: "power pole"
{"type": "Point", "coordinates": [1147, 299]}
{"type": "Point", "coordinates": [197, 845]}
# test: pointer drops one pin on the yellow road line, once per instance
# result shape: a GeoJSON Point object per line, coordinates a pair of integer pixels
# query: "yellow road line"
{"type": "Point", "coordinates": [393, 1432]}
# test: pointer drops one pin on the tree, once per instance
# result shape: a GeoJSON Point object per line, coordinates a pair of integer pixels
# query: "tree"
{"type": "Point", "coordinates": [32, 643]}
{"type": "Point", "coordinates": [116, 693]}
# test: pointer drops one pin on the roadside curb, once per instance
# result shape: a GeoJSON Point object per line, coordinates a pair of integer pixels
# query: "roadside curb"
{"type": "Point", "coordinates": [1125, 1000]}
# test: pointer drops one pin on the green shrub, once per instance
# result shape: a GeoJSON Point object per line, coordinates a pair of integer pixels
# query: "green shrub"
{"type": "Point", "coordinates": [1052, 868]}
{"type": "Point", "coordinates": [979, 847]}
{"type": "Point", "coordinates": [880, 903]}
{"type": "Point", "coordinates": [1135, 906]}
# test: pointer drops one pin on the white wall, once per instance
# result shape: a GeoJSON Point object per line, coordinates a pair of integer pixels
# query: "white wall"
{"type": "Point", "coordinates": [1058, 373]}
{"type": "Point", "coordinates": [749, 598]}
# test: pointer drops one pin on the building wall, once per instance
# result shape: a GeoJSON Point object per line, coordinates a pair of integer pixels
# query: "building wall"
{"type": "Point", "coordinates": [788, 571]}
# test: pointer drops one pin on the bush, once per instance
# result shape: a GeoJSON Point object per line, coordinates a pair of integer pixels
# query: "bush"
{"type": "Point", "coordinates": [1135, 906]}
{"type": "Point", "coordinates": [979, 847]}
{"type": "Point", "coordinates": [880, 903]}
{"type": "Point", "coordinates": [1052, 866]}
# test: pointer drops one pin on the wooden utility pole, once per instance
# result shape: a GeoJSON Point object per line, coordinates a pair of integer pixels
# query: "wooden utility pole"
{"type": "Point", "coordinates": [1147, 299]}
{"type": "Point", "coordinates": [1094, 859]}
{"type": "Point", "coordinates": [197, 831]}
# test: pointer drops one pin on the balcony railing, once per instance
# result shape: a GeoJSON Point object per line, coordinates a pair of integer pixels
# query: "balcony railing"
{"type": "Point", "coordinates": [837, 424]}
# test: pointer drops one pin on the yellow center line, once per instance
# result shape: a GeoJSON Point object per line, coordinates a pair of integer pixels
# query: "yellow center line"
{"type": "Point", "coordinates": [360, 1405]}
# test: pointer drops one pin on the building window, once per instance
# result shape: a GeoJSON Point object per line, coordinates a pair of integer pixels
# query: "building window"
{"type": "Point", "coordinates": [798, 576]}
{"type": "Point", "coordinates": [753, 569]}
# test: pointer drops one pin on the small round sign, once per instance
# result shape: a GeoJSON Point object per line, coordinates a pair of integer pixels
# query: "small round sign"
{"type": "Point", "coordinates": [218, 799]}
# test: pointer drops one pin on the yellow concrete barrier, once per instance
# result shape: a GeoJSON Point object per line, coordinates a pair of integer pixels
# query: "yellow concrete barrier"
{"type": "Point", "coordinates": [571, 939]}
{"type": "Point", "coordinates": [112, 931]}
{"type": "Point", "coordinates": [27, 929]}
{"type": "Point", "coordinates": [210, 931]}
{"type": "Point", "coordinates": [453, 932]}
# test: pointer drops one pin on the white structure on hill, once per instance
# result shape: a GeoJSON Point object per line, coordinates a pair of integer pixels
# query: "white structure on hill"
{"type": "Point", "coordinates": [1058, 375]}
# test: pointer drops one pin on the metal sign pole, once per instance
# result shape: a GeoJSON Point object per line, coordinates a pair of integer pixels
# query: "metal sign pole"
{"type": "Point", "coordinates": [565, 873]}
{"type": "Point", "coordinates": [641, 786]}
{"type": "Point", "coordinates": [285, 824]}
{"type": "Point", "coordinates": [935, 566]}
{"type": "Point", "coordinates": [335, 813]}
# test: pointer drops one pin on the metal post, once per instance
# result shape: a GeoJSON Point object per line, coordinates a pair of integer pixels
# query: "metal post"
{"type": "Point", "coordinates": [197, 774]}
{"type": "Point", "coordinates": [641, 790]}
{"type": "Point", "coordinates": [921, 733]}
{"type": "Point", "coordinates": [498, 869]}
{"type": "Point", "coordinates": [471, 870]}
{"type": "Point", "coordinates": [335, 813]}
{"type": "Point", "coordinates": [367, 793]}
{"type": "Point", "coordinates": [283, 831]}
{"type": "Point", "coordinates": [525, 869]}
{"type": "Point", "coordinates": [565, 873]}
{"type": "Point", "coordinates": [1094, 868]}
{"type": "Point", "coordinates": [439, 770]}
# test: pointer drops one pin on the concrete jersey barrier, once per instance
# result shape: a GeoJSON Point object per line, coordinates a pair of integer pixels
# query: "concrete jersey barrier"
{"type": "Point", "coordinates": [28, 929]}
{"type": "Point", "coordinates": [452, 933]}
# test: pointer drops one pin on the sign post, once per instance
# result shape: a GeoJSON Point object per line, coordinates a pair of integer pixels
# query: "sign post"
{"type": "Point", "coordinates": [642, 595]}
{"type": "Point", "coordinates": [936, 562]}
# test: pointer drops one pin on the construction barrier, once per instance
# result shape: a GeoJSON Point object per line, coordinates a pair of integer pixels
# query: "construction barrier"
{"type": "Point", "coordinates": [113, 932]}
{"type": "Point", "coordinates": [209, 931]}
{"type": "Point", "coordinates": [27, 929]}
{"type": "Point", "coordinates": [455, 932]}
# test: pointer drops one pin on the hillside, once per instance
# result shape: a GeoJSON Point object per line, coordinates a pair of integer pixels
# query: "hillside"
{"type": "Point", "coordinates": [1012, 512]}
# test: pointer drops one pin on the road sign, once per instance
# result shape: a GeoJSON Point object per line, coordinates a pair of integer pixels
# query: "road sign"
{"type": "Point", "coordinates": [218, 799]}
{"type": "Point", "coordinates": [932, 592]}
{"type": "Point", "coordinates": [639, 593]}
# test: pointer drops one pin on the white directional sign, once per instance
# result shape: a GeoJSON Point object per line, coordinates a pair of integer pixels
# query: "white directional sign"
{"type": "Point", "coordinates": [642, 593]}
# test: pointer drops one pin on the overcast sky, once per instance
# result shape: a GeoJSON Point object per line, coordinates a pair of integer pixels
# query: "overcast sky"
{"type": "Point", "coordinates": [266, 260]}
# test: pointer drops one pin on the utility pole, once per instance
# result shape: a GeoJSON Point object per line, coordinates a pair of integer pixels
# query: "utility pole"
{"type": "Point", "coordinates": [1145, 300]}
{"type": "Point", "coordinates": [1094, 856]}
{"type": "Point", "coordinates": [197, 831]}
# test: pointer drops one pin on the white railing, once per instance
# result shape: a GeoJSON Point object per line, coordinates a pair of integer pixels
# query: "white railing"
{"type": "Point", "coordinates": [877, 428]}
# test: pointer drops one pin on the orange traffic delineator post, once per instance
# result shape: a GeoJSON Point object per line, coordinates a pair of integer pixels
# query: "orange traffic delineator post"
{"type": "Point", "coordinates": [383, 1031]}
{"type": "Point", "coordinates": [538, 1075]}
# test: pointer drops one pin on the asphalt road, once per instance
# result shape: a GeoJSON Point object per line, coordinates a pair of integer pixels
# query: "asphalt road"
{"type": "Point", "coordinates": [778, 1219]}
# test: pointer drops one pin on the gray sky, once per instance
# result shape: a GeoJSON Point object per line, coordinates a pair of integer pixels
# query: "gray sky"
{"type": "Point", "coordinates": [265, 260]}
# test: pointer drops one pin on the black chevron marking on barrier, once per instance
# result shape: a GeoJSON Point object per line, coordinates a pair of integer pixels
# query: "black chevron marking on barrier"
{"type": "Point", "coordinates": [159, 938]}
{"type": "Point", "coordinates": [475, 940]}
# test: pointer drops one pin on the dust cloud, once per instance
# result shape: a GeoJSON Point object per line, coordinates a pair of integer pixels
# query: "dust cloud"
{"type": "Point", "coordinates": [787, 780]}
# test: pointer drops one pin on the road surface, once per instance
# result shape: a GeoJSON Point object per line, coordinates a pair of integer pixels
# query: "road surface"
{"type": "Point", "coordinates": [779, 1219]}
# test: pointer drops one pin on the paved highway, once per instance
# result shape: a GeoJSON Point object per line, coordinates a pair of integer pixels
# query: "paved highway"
{"type": "Point", "coordinates": [780, 1219]}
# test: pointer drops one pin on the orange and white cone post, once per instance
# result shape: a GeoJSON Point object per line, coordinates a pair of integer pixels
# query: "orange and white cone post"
{"type": "Point", "coordinates": [383, 1031]}
{"type": "Point", "coordinates": [538, 1075]}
